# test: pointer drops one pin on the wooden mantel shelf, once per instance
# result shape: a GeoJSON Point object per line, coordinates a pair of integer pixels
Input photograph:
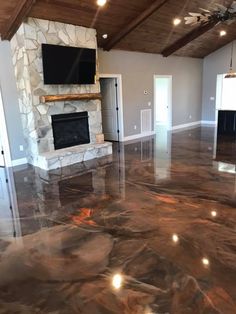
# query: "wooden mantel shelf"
{"type": "Point", "coordinates": [70, 97]}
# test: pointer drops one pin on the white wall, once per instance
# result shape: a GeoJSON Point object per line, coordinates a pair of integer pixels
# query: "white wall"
{"type": "Point", "coordinates": [10, 101]}
{"type": "Point", "coordinates": [137, 71]}
{"type": "Point", "coordinates": [216, 63]}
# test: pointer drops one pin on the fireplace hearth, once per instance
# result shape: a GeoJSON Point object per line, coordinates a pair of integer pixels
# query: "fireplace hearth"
{"type": "Point", "coordinates": [70, 129]}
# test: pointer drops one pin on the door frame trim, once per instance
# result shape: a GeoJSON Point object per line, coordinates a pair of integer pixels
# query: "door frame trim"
{"type": "Point", "coordinates": [120, 100]}
{"type": "Point", "coordinates": [169, 127]}
{"type": "Point", "coordinates": [4, 134]}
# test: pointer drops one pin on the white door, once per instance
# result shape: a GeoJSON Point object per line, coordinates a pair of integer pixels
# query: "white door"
{"type": "Point", "coordinates": [163, 100]}
{"type": "Point", "coordinates": [6, 217]}
{"type": "Point", "coordinates": [109, 109]}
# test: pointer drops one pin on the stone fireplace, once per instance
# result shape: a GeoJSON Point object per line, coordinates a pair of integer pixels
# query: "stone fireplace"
{"type": "Point", "coordinates": [42, 121]}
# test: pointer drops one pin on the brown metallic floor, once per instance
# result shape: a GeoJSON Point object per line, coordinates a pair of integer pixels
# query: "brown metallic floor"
{"type": "Point", "coordinates": [161, 215]}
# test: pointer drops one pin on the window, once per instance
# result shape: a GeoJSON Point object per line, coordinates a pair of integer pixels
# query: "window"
{"type": "Point", "coordinates": [229, 94]}
{"type": "Point", "coordinates": [226, 93]}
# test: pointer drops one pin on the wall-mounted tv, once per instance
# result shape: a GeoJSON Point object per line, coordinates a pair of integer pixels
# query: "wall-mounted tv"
{"type": "Point", "coordinates": [68, 65]}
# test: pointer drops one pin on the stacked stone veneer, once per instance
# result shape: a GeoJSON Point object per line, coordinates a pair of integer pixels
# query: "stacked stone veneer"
{"type": "Point", "coordinates": [36, 116]}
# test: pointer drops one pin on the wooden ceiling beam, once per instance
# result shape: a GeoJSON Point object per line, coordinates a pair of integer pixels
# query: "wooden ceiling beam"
{"type": "Point", "coordinates": [156, 5]}
{"type": "Point", "coordinates": [20, 12]}
{"type": "Point", "coordinates": [183, 41]}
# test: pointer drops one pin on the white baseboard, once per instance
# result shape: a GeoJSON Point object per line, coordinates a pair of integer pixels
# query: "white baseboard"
{"type": "Point", "coordinates": [186, 125]}
{"type": "Point", "coordinates": [174, 128]}
{"type": "Point", "coordinates": [137, 136]}
{"type": "Point", "coordinates": [208, 123]}
{"type": "Point", "coordinates": [19, 162]}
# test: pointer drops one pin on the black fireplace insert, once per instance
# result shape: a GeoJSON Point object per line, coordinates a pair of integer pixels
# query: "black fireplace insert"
{"type": "Point", "coordinates": [70, 129]}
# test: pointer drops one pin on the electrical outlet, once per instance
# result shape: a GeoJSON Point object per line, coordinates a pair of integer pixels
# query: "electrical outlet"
{"type": "Point", "coordinates": [149, 104]}
{"type": "Point", "coordinates": [21, 148]}
{"type": "Point", "coordinates": [135, 127]}
{"type": "Point", "coordinates": [212, 98]}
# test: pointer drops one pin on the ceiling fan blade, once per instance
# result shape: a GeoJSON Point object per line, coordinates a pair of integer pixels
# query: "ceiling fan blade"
{"type": "Point", "coordinates": [220, 7]}
{"type": "Point", "coordinates": [206, 14]}
{"type": "Point", "coordinates": [233, 7]}
{"type": "Point", "coordinates": [205, 10]}
{"type": "Point", "coordinates": [194, 14]}
{"type": "Point", "coordinates": [190, 19]}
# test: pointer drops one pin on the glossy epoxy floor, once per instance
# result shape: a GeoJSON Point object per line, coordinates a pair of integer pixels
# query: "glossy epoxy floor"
{"type": "Point", "coordinates": [161, 214]}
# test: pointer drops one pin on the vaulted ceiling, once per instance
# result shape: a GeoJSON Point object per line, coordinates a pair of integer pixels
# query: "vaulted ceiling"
{"type": "Point", "coordinates": [134, 25]}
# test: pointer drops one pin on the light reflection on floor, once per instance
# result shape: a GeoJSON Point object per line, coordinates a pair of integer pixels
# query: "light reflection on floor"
{"type": "Point", "coordinates": [149, 230]}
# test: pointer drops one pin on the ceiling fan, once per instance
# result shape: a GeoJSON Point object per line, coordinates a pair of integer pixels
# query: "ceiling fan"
{"type": "Point", "coordinates": [218, 14]}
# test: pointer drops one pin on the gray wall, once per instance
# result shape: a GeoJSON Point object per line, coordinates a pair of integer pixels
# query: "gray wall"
{"type": "Point", "coordinates": [137, 71]}
{"type": "Point", "coordinates": [215, 63]}
{"type": "Point", "coordinates": [10, 101]}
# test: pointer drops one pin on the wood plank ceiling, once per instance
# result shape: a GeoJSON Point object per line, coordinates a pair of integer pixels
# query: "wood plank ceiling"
{"type": "Point", "coordinates": [154, 33]}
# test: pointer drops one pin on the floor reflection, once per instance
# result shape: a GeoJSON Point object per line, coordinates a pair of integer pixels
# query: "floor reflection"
{"type": "Point", "coordinates": [6, 221]}
{"type": "Point", "coordinates": [9, 223]}
{"type": "Point", "coordinates": [226, 149]}
{"type": "Point", "coordinates": [149, 230]}
{"type": "Point", "coordinates": [162, 153]}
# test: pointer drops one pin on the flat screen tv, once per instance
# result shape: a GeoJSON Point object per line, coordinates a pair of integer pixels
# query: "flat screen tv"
{"type": "Point", "coordinates": [68, 65]}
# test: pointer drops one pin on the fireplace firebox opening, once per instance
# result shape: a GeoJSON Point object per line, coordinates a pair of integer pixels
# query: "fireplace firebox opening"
{"type": "Point", "coordinates": [70, 129]}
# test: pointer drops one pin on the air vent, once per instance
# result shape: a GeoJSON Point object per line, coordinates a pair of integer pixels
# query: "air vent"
{"type": "Point", "coordinates": [146, 121]}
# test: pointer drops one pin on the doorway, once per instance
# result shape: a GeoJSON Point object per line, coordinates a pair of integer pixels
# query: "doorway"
{"type": "Point", "coordinates": [163, 102]}
{"type": "Point", "coordinates": [2, 162]}
{"type": "Point", "coordinates": [112, 108]}
{"type": "Point", "coordinates": [225, 93]}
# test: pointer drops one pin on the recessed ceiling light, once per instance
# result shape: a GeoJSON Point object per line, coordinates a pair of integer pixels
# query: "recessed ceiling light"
{"type": "Point", "coordinates": [117, 281]}
{"type": "Point", "coordinates": [101, 3]}
{"type": "Point", "coordinates": [205, 261]}
{"type": "Point", "coordinates": [105, 36]}
{"type": "Point", "coordinates": [214, 213]}
{"type": "Point", "coordinates": [176, 21]}
{"type": "Point", "coordinates": [175, 238]}
{"type": "Point", "coordinates": [222, 33]}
